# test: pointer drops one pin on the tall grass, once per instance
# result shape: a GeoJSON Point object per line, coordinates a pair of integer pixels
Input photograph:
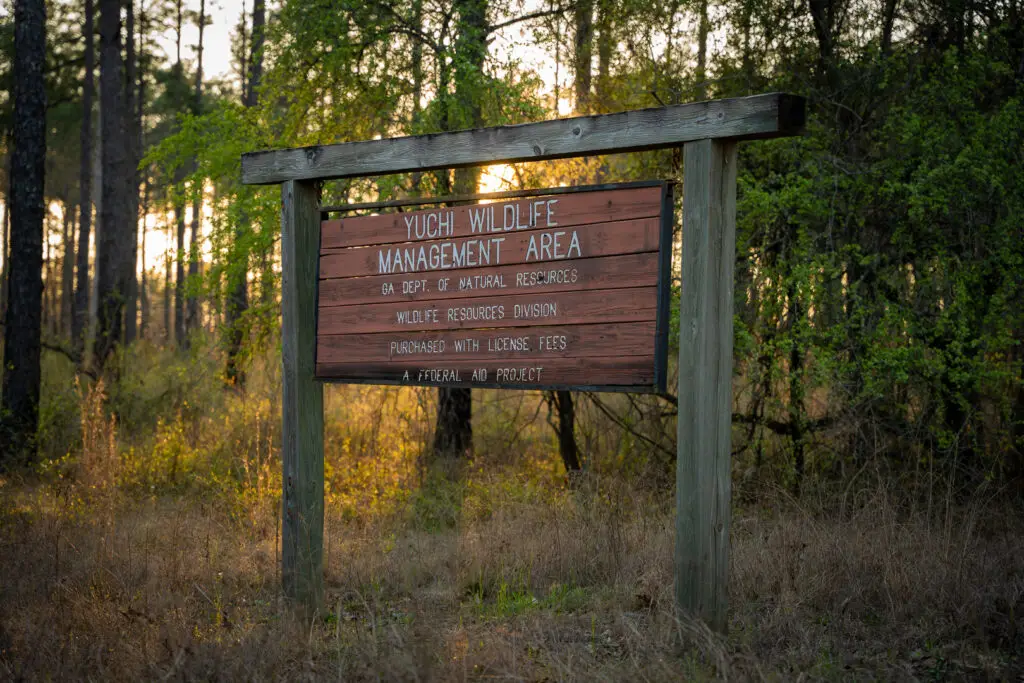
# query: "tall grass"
{"type": "Point", "coordinates": [146, 547]}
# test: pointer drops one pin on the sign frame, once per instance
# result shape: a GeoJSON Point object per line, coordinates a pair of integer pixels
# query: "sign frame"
{"type": "Point", "coordinates": [708, 133]}
{"type": "Point", "coordinates": [663, 286]}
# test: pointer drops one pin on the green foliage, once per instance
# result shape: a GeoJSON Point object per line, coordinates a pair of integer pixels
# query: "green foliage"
{"type": "Point", "coordinates": [897, 238]}
{"type": "Point", "coordinates": [879, 255]}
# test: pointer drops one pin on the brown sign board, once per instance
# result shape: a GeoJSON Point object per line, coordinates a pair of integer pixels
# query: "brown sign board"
{"type": "Point", "coordinates": [557, 290]}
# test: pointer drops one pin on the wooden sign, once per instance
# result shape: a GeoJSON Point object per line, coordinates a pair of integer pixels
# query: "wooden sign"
{"type": "Point", "coordinates": [566, 290]}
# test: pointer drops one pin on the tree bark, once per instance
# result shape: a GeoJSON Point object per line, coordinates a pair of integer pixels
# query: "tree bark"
{"type": "Point", "coordinates": [178, 322]}
{"type": "Point", "coordinates": [193, 320]}
{"type": "Point", "coordinates": [888, 19]}
{"type": "Point", "coordinates": [80, 320]}
{"type": "Point", "coordinates": [47, 319]}
{"type": "Point", "coordinates": [604, 54]}
{"type": "Point", "coordinates": [702, 51]}
{"type": "Point", "coordinates": [67, 263]}
{"type": "Point", "coordinates": [823, 17]}
{"type": "Point", "coordinates": [238, 297]}
{"type": "Point", "coordinates": [116, 222]}
{"type": "Point", "coordinates": [582, 52]}
{"type": "Point", "coordinates": [797, 412]}
{"type": "Point", "coordinates": [5, 243]}
{"type": "Point", "coordinates": [168, 280]}
{"type": "Point", "coordinates": [179, 275]}
{"type": "Point", "coordinates": [144, 303]}
{"type": "Point", "coordinates": [134, 149]}
{"type": "Point", "coordinates": [567, 432]}
{"type": "Point", "coordinates": [19, 419]}
{"type": "Point", "coordinates": [453, 433]}
{"type": "Point", "coordinates": [140, 107]}
{"type": "Point", "coordinates": [256, 56]}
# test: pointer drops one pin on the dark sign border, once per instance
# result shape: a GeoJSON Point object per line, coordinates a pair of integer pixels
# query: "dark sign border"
{"type": "Point", "coordinates": [664, 290]}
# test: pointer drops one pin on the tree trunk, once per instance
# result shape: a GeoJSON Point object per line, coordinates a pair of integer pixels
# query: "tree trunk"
{"type": "Point", "coordinates": [116, 222]}
{"type": "Point", "coordinates": [5, 243]}
{"type": "Point", "coordinates": [80, 320]}
{"type": "Point", "coordinates": [453, 433]}
{"type": "Point", "coordinates": [47, 319]}
{"type": "Point", "coordinates": [168, 262]}
{"type": "Point", "coordinates": [140, 107]}
{"type": "Point", "coordinates": [582, 52]}
{"type": "Point", "coordinates": [67, 280]}
{"type": "Point", "coordinates": [702, 51]}
{"type": "Point", "coordinates": [144, 306]}
{"type": "Point", "coordinates": [179, 275]}
{"type": "Point", "coordinates": [19, 419]}
{"type": "Point", "coordinates": [193, 320]}
{"type": "Point", "coordinates": [888, 19]}
{"type": "Point", "coordinates": [567, 432]}
{"type": "Point", "coordinates": [133, 149]}
{"type": "Point", "coordinates": [256, 56]}
{"type": "Point", "coordinates": [823, 14]}
{"type": "Point", "coordinates": [797, 412]}
{"type": "Point", "coordinates": [604, 54]}
{"type": "Point", "coordinates": [238, 297]}
{"type": "Point", "coordinates": [746, 63]}
{"type": "Point", "coordinates": [417, 84]}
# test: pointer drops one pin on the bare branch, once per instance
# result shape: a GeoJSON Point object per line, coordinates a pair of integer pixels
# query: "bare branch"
{"type": "Point", "coordinates": [622, 425]}
{"type": "Point", "coordinates": [71, 356]}
{"type": "Point", "coordinates": [527, 17]}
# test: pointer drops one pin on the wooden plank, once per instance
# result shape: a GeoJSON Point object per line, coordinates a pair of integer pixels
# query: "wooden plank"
{"type": "Point", "coordinates": [565, 341]}
{"type": "Point", "coordinates": [703, 485]}
{"type": "Point", "coordinates": [566, 210]}
{"type": "Point", "coordinates": [758, 116]}
{"type": "Point", "coordinates": [302, 438]}
{"type": "Point", "coordinates": [638, 304]}
{"type": "Point", "coordinates": [629, 372]}
{"type": "Point", "coordinates": [536, 246]}
{"type": "Point", "coordinates": [478, 197]}
{"type": "Point", "coordinates": [632, 270]}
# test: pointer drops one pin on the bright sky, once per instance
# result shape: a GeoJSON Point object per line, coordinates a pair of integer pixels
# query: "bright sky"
{"type": "Point", "coordinates": [223, 17]}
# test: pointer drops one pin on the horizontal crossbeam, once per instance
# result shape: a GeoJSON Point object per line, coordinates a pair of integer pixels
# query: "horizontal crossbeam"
{"type": "Point", "coordinates": [742, 118]}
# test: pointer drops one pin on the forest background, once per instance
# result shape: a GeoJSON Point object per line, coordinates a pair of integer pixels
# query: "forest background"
{"type": "Point", "coordinates": [878, 412]}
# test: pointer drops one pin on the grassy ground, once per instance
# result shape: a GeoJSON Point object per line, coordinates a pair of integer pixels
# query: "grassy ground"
{"type": "Point", "coordinates": [526, 584]}
{"type": "Point", "coordinates": [150, 552]}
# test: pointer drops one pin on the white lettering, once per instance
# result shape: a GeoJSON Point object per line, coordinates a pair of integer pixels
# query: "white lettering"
{"type": "Point", "coordinates": [476, 219]}
{"type": "Point", "coordinates": [414, 346]}
{"type": "Point", "coordinates": [471, 313]}
{"type": "Point", "coordinates": [574, 244]}
{"type": "Point", "coordinates": [442, 255]}
{"type": "Point", "coordinates": [518, 375]}
{"type": "Point", "coordinates": [468, 345]}
{"type": "Point", "coordinates": [535, 310]}
{"type": "Point", "coordinates": [555, 342]}
{"type": "Point", "coordinates": [551, 222]}
{"type": "Point", "coordinates": [416, 316]}
{"type": "Point", "coordinates": [501, 344]}
{"type": "Point", "coordinates": [439, 375]}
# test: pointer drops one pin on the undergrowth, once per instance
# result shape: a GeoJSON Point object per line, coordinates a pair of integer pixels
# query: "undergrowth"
{"type": "Point", "coordinates": [145, 546]}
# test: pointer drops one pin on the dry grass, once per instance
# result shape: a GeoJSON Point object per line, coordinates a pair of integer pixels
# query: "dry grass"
{"type": "Point", "coordinates": [149, 552]}
{"type": "Point", "coordinates": [541, 585]}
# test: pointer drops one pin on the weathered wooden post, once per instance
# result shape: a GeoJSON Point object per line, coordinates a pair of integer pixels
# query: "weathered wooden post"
{"type": "Point", "coordinates": [302, 436]}
{"type": "Point", "coordinates": [703, 481]}
{"type": "Point", "coordinates": [357, 321]}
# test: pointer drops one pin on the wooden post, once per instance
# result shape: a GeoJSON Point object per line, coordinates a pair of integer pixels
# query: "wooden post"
{"type": "Point", "coordinates": [302, 436]}
{"type": "Point", "coordinates": [703, 486]}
